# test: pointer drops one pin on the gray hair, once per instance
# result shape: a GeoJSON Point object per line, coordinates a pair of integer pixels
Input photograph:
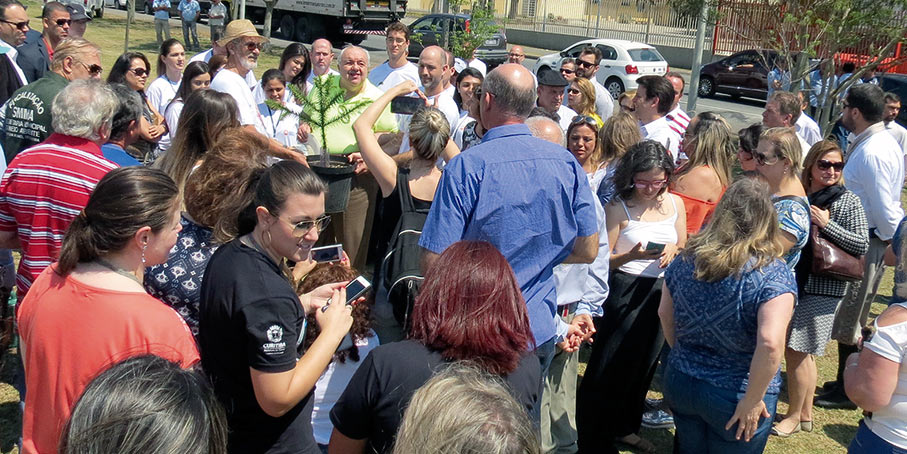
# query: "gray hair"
{"type": "Point", "coordinates": [464, 410]}
{"type": "Point", "coordinates": [85, 109]}
{"type": "Point", "coordinates": [146, 404]}
{"type": "Point", "coordinates": [510, 99]}
{"type": "Point", "coordinates": [546, 129]}
{"type": "Point", "coordinates": [351, 46]}
{"type": "Point", "coordinates": [429, 132]}
{"type": "Point", "coordinates": [129, 109]}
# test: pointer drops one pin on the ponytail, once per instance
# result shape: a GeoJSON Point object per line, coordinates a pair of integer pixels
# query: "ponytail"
{"type": "Point", "coordinates": [78, 245]}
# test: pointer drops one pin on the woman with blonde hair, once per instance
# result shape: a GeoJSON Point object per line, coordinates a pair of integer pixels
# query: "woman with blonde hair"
{"type": "Point", "coordinates": [778, 162]}
{"type": "Point", "coordinates": [619, 132]}
{"type": "Point", "coordinates": [734, 300]}
{"type": "Point", "coordinates": [839, 217]}
{"type": "Point", "coordinates": [700, 182]}
{"type": "Point", "coordinates": [581, 98]}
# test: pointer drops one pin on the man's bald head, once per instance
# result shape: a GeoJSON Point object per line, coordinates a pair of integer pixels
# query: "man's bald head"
{"type": "Point", "coordinates": [516, 55]}
{"type": "Point", "coordinates": [322, 56]}
{"type": "Point", "coordinates": [546, 129]}
{"type": "Point", "coordinates": [432, 68]}
{"type": "Point", "coordinates": [513, 89]}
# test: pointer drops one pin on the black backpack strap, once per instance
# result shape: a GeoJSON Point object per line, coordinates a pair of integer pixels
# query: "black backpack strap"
{"type": "Point", "coordinates": [406, 198]}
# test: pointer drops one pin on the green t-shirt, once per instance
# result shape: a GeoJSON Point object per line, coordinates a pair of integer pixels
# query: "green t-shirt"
{"type": "Point", "coordinates": [332, 125]}
{"type": "Point", "coordinates": [27, 118]}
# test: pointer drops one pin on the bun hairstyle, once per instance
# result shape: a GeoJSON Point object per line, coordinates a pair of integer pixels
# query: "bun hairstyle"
{"type": "Point", "coordinates": [428, 133]}
{"type": "Point", "coordinates": [125, 200]}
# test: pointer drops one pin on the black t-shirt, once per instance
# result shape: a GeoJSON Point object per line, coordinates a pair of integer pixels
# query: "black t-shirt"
{"type": "Point", "coordinates": [372, 404]}
{"type": "Point", "coordinates": [249, 316]}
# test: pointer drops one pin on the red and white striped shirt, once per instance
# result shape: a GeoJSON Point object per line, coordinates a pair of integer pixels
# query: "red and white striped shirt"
{"type": "Point", "coordinates": [678, 120]}
{"type": "Point", "coordinates": [42, 191]}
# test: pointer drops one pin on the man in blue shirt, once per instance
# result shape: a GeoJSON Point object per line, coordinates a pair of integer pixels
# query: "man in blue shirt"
{"type": "Point", "coordinates": [161, 19]}
{"type": "Point", "coordinates": [124, 130]}
{"type": "Point", "coordinates": [189, 14]}
{"type": "Point", "coordinates": [528, 197]}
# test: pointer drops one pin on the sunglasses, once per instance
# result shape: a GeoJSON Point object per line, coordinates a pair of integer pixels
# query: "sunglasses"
{"type": "Point", "coordinates": [643, 184]}
{"type": "Point", "coordinates": [94, 70]}
{"type": "Point", "coordinates": [300, 229]}
{"type": "Point", "coordinates": [567, 71]}
{"type": "Point", "coordinates": [573, 91]}
{"type": "Point", "coordinates": [825, 165]}
{"type": "Point", "coordinates": [62, 22]}
{"type": "Point", "coordinates": [20, 25]}
{"type": "Point", "coordinates": [579, 119]}
{"type": "Point", "coordinates": [584, 63]}
{"type": "Point", "coordinates": [763, 160]}
{"type": "Point", "coordinates": [252, 45]}
{"type": "Point", "coordinates": [139, 72]}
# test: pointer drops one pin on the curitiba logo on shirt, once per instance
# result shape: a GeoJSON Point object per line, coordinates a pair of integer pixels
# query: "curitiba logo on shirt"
{"type": "Point", "coordinates": [275, 346]}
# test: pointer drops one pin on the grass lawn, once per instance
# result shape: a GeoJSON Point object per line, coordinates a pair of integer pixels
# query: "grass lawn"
{"type": "Point", "coordinates": [833, 429]}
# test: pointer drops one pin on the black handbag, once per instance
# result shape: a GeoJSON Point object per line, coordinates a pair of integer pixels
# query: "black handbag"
{"type": "Point", "coordinates": [830, 261]}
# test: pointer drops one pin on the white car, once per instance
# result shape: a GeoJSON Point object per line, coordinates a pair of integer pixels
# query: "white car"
{"type": "Point", "coordinates": [622, 62]}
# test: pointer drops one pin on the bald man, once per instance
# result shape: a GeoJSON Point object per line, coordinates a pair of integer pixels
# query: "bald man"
{"type": "Point", "coordinates": [484, 195]}
{"type": "Point", "coordinates": [516, 55]}
{"type": "Point", "coordinates": [322, 56]}
{"type": "Point", "coordinates": [546, 129]}
{"type": "Point", "coordinates": [432, 70]}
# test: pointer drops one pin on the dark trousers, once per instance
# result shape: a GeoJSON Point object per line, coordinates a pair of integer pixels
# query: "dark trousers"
{"type": "Point", "coordinates": [610, 400]}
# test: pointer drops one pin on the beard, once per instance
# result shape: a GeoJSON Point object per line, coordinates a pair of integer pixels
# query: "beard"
{"type": "Point", "coordinates": [248, 65]}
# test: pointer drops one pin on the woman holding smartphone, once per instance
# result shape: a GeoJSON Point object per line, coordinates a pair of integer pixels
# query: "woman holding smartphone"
{"type": "Point", "coordinates": [252, 321]}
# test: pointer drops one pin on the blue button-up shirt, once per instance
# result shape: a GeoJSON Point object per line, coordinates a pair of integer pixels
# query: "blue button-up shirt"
{"type": "Point", "coordinates": [529, 198]}
{"type": "Point", "coordinates": [188, 10]}
{"type": "Point", "coordinates": [163, 14]}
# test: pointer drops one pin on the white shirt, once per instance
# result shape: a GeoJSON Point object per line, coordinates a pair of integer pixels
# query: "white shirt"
{"type": "Point", "coordinates": [206, 57]}
{"type": "Point", "coordinates": [311, 79]}
{"type": "Point", "coordinates": [172, 117]}
{"type": "Point", "coordinates": [661, 132]}
{"type": "Point", "coordinates": [227, 81]}
{"type": "Point", "coordinates": [450, 91]}
{"type": "Point", "coordinates": [330, 386]}
{"type": "Point", "coordinates": [478, 64]}
{"type": "Point", "coordinates": [12, 53]}
{"type": "Point", "coordinates": [446, 105]}
{"type": "Point", "coordinates": [384, 77]}
{"type": "Point", "coordinates": [874, 171]}
{"type": "Point", "coordinates": [604, 103]}
{"type": "Point", "coordinates": [678, 120]}
{"type": "Point", "coordinates": [899, 133]}
{"type": "Point", "coordinates": [808, 129]}
{"type": "Point", "coordinates": [161, 91]}
{"type": "Point", "coordinates": [804, 147]}
{"type": "Point", "coordinates": [258, 93]}
{"type": "Point", "coordinates": [890, 342]}
{"type": "Point", "coordinates": [566, 115]}
{"type": "Point", "coordinates": [278, 126]}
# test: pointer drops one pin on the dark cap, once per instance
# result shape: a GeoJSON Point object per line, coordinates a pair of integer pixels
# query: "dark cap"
{"type": "Point", "coordinates": [552, 78]}
{"type": "Point", "coordinates": [77, 12]}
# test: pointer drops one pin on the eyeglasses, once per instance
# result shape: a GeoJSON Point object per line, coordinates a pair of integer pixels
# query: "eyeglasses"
{"type": "Point", "coordinates": [20, 25]}
{"type": "Point", "coordinates": [300, 229]}
{"type": "Point", "coordinates": [647, 184]}
{"type": "Point", "coordinates": [62, 22]}
{"type": "Point", "coordinates": [579, 119]}
{"type": "Point", "coordinates": [139, 72]}
{"type": "Point", "coordinates": [252, 45]}
{"type": "Point", "coordinates": [94, 70]}
{"type": "Point", "coordinates": [764, 160]}
{"type": "Point", "coordinates": [825, 165]}
{"type": "Point", "coordinates": [516, 55]}
{"type": "Point", "coordinates": [567, 71]}
{"type": "Point", "coordinates": [395, 40]}
{"type": "Point", "coordinates": [584, 63]}
{"type": "Point", "coordinates": [573, 91]}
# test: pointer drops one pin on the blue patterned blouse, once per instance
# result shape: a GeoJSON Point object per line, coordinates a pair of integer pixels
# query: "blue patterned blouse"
{"type": "Point", "coordinates": [793, 217]}
{"type": "Point", "coordinates": [177, 282]}
{"type": "Point", "coordinates": [715, 322]}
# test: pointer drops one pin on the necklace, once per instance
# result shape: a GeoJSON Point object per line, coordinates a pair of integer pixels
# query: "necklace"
{"type": "Point", "coordinates": [117, 270]}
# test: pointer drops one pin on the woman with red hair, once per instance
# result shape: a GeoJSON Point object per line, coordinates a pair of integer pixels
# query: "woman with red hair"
{"type": "Point", "coordinates": [470, 308]}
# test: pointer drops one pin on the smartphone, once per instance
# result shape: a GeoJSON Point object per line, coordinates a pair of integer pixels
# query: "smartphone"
{"type": "Point", "coordinates": [324, 254]}
{"type": "Point", "coordinates": [356, 288]}
{"type": "Point", "coordinates": [406, 105]}
{"type": "Point", "coordinates": [656, 247]}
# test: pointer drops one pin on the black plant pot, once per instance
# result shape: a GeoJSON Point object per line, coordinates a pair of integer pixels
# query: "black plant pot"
{"type": "Point", "coordinates": [338, 176]}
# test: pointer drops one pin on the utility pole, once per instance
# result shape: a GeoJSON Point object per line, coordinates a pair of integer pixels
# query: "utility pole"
{"type": "Point", "coordinates": [693, 90]}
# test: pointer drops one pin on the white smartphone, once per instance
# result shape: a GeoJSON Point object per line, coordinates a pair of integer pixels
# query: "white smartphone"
{"type": "Point", "coordinates": [356, 288]}
{"type": "Point", "coordinates": [325, 254]}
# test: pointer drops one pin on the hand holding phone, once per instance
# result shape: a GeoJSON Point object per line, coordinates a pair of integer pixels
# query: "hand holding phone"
{"type": "Point", "coordinates": [406, 105]}
{"type": "Point", "coordinates": [653, 247]}
{"type": "Point", "coordinates": [324, 254]}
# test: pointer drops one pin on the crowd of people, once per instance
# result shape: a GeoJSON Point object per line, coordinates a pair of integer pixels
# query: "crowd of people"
{"type": "Point", "coordinates": [168, 296]}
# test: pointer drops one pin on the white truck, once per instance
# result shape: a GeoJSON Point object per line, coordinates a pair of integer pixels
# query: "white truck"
{"type": "Point", "coordinates": [337, 20]}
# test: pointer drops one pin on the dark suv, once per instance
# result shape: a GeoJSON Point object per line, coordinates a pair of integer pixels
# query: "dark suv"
{"type": "Point", "coordinates": [429, 31]}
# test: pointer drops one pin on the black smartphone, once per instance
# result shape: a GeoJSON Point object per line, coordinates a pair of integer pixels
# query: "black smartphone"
{"type": "Point", "coordinates": [332, 253]}
{"type": "Point", "coordinates": [656, 247]}
{"type": "Point", "coordinates": [406, 105]}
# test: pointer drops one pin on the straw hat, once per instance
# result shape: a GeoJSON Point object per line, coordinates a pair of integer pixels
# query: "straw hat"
{"type": "Point", "coordinates": [238, 29]}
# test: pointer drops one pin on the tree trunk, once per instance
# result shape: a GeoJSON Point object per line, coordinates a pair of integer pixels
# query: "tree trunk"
{"type": "Point", "coordinates": [130, 16]}
{"type": "Point", "coordinates": [269, 14]}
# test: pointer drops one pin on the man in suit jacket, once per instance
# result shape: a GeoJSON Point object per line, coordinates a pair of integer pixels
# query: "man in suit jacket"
{"type": "Point", "coordinates": [36, 54]}
{"type": "Point", "coordinates": [13, 26]}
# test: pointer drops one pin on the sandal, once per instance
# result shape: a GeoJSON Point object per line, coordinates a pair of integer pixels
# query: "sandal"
{"type": "Point", "coordinates": [778, 432]}
{"type": "Point", "coordinates": [806, 426]}
{"type": "Point", "coordinates": [637, 442]}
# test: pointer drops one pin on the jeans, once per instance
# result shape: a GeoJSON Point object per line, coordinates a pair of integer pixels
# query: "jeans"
{"type": "Point", "coordinates": [867, 442]}
{"type": "Point", "coordinates": [701, 412]}
{"type": "Point", "coordinates": [217, 32]}
{"type": "Point", "coordinates": [162, 26]}
{"type": "Point", "coordinates": [189, 26]}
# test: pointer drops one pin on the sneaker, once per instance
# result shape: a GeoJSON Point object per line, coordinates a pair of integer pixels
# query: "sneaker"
{"type": "Point", "coordinates": [657, 419]}
{"type": "Point", "coordinates": [835, 399]}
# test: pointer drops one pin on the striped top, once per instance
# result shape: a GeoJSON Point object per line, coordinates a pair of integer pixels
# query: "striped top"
{"type": "Point", "coordinates": [678, 120]}
{"type": "Point", "coordinates": [42, 191]}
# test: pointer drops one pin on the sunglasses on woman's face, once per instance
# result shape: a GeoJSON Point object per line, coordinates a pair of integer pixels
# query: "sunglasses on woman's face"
{"type": "Point", "coordinates": [139, 72]}
{"type": "Point", "coordinates": [825, 165]}
{"type": "Point", "coordinates": [573, 91]}
{"type": "Point", "coordinates": [764, 160]}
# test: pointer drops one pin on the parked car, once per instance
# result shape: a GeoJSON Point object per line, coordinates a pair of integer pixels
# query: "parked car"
{"type": "Point", "coordinates": [94, 8]}
{"type": "Point", "coordinates": [429, 31]}
{"type": "Point", "coordinates": [896, 83]}
{"type": "Point", "coordinates": [622, 62]}
{"type": "Point", "coordinates": [118, 4]}
{"type": "Point", "coordinates": [742, 74]}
